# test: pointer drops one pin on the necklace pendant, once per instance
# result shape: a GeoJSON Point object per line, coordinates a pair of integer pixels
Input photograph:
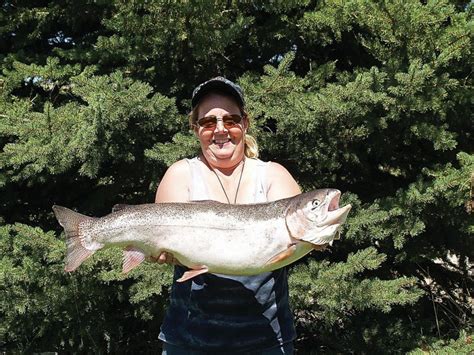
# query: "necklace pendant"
{"type": "Point", "coordinates": [238, 184]}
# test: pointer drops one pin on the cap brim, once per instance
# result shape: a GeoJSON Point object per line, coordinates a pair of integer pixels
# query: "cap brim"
{"type": "Point", "coordinates": [216, 86]}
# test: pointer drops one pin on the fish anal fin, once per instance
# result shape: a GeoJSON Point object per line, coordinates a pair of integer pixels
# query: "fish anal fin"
{"type": "Point", "coordinates": [282, 255]}
{"type": "Point", "coordinates": [132, 257]}
{"type": "Point", "coordinates": [76, 254]}
{"type": "Point", "coordinates": [198, 270]}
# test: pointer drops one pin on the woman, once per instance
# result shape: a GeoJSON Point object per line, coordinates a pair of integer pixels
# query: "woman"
{"type": "Point", "coordinates": [213, 312]}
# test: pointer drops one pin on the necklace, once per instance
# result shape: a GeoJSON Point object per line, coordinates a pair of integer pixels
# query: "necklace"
{"type": "Point", "coordinates": [238, 184]}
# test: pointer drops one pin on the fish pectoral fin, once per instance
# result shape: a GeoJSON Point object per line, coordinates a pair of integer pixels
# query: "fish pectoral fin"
{"type": "Point", "coordinates": [198, 270]}
{"type": "Point", "coordinates": [132, 257]}
{"type": "Point", "coordinates": [282, 255]}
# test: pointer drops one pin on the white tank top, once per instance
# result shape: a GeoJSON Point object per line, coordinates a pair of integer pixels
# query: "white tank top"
{"type": "Point", "coordinates": [223, 313]}
{"type": "Point", "coordinates": [198, 190]}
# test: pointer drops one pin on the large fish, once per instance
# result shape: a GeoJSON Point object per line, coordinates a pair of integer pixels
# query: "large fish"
{"type": "Point", "coordinates": [209, 236]}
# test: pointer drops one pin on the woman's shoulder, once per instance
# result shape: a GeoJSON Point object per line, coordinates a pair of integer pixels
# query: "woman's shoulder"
{"type": "Point", "coordinates": [276, 167]}
{"type": "Point", "coordinates": [178, 169]}
{"type": "Point", "coordinates": [281, 183]}
{"type": "Point", "coordinates": [184, 166]}
{"type": "Point", "coordinates": [174, 185]}
{"type": "Point", "coordinates": [180, 166]}
{"type": "Point", "coordinates": [272, 168]}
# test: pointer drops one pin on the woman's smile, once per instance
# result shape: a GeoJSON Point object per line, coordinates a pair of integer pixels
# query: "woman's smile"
{"type": "Point", "coordinates": [221, 141]}
{"type": "Point", "coordinates": [222, 144]}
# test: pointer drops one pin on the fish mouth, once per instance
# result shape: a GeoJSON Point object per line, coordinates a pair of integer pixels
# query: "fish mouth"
{"type": "Point", "coordinates": [334, 213]}
{"type": "Point", "coordinates": [333, 197]}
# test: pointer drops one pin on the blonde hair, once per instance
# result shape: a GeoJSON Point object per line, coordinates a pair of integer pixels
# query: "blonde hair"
{"type": "Point", "coordinates": [251, 146]}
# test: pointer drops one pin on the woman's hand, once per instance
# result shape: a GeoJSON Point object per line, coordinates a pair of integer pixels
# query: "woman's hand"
{"type": "Point", "coordinates": [320, 247]}
{"type": "Point", "coordinates": [165, 258]}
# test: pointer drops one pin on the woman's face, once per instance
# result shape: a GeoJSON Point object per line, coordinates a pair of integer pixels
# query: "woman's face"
{"type": "Point", "coordinates": [222, 147]}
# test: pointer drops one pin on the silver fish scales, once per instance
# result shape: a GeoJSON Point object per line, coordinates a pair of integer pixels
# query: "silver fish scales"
{"type": "Point", "coordinates": [209, 236]}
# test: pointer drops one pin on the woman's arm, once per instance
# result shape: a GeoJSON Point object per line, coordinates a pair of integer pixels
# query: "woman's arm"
{"type": "Point", "coordinates": [280, 183]}
{"type": "Point", "coordinates": [174, 186]}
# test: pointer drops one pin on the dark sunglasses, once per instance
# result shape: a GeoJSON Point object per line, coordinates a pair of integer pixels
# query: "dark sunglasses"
{"type": "Point", "coordinates": [229, 121]}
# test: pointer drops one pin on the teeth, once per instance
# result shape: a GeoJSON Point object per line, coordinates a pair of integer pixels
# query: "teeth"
{"type": "Point", "coordinates": [221, 141]}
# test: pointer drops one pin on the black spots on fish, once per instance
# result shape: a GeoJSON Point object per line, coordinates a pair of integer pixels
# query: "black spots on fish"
{"type": "Point", "coordinates": [68, 219]}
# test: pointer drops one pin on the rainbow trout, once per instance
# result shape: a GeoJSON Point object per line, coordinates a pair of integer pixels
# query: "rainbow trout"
{"type": "Point", "coordinates": [209, 236]}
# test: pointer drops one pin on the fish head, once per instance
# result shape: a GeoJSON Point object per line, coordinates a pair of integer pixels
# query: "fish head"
{"type": "Point", "coordinates": [315, 216]}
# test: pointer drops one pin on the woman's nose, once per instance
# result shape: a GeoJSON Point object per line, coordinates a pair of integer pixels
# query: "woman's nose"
{"type": "Point", "coordinates": [220, 125]}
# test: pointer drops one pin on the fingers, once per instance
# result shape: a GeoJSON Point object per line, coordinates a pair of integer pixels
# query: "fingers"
{"type": "Point", "coordinates": [320, 247]}
{"type": "Point", "coordinates": [165, 258]}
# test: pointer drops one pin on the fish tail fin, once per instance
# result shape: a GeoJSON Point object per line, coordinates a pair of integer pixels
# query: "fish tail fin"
{"type": "Point", "coordinates": [76, 252]}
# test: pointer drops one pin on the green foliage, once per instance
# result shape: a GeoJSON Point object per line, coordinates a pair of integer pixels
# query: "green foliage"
{"type": "Point", "coordinates": [371, 97]}
{"type": "Point", "coordinates": [180, 147]}
{"type": "Point", "coordinates": [462, 345]}
{"type": "Point", "coordinates": [334, 291]}
{"type": "Point", "coordinates": [90, 126]}
{"type": "Point", "coordinates": [92, 309]}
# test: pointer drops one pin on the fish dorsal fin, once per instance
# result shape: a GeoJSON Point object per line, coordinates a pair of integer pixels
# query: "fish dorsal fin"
{"type": "Point", "coordinates": [120, 207]}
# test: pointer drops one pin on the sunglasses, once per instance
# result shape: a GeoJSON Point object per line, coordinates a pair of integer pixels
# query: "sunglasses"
{"type": "Point", "coordinates": [229, 121]}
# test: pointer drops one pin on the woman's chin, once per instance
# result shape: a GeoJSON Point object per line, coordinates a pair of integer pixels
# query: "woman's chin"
{"type": "Point", "coordinates": [224, 152]}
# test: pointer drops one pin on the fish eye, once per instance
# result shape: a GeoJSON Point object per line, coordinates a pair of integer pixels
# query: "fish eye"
{"type": "Point", "coordinates": [315, 204]}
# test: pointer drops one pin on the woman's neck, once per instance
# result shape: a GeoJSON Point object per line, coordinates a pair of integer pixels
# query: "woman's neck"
{"type": "Point", "coordinates": [223, 169]}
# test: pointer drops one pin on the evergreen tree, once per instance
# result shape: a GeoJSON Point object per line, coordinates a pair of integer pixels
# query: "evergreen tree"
{"type": "Point", "coordinates": [371, 97]}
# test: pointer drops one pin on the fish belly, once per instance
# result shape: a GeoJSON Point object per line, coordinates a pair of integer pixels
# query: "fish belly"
{"type": "Point", "coordinates": [234, 250]}
{"type": "Point", "coordinates": [228, 251]}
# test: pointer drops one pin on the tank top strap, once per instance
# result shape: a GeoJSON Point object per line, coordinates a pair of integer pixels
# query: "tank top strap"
{"type": "Point", "coordinates": [198, 190]}
{"type": "Point", "coordinates": [261, 184]}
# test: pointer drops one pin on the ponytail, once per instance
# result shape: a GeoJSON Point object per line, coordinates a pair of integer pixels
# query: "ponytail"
{"type": "Point", "coordinates": [251, 147]}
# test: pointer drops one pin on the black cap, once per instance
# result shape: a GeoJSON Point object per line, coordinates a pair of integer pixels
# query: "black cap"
{"type": "Point", "coordinates": [218, 84]}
